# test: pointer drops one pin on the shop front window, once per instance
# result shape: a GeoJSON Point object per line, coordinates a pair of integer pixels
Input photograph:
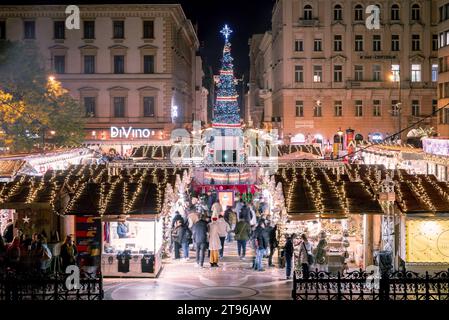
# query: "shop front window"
{"type": "Point", "coordinates": [136, 237]}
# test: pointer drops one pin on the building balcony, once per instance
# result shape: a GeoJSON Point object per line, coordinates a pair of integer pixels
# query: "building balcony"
{"type": "Point", "coordinates": [315, 22]}
{"type": "Point", "coordinates": [128, 120]}
{"type": "Point", "coordinates": [353, 84]}
{"type": "Point", "coordinates": [265, 93]}
{"type": "Point", "coordinates": [428, 122]}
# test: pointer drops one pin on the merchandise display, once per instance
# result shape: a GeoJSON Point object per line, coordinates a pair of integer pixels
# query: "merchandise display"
{"type": "Point", "coordinates": [132, 248]}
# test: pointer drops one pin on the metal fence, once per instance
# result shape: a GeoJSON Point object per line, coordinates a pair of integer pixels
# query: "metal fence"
{"type": "Point", "coordinates": [360, 285]}
{"type": "Point", "coordinates": [17, 287]}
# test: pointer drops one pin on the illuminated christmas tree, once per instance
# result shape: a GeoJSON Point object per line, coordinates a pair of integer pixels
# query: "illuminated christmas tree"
{"type": "Point", "coordinates": [226, 109]}
{"type": "Point", "coordinates": [226, 140]}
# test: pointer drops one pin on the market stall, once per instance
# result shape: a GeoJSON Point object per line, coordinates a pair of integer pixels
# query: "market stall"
{"type": "Point", "coordinates": [132, 246]}
{"type": "Point", "coordinates": [342, 217]}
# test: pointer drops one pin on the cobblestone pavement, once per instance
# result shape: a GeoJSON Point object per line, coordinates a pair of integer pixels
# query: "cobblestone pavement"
{"type": "Point", "coordinates": [182, 280]}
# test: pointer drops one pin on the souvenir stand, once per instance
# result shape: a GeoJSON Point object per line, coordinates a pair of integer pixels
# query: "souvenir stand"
{"type": "Point", "coordinates": [127, 208]}
{"type": "Point", "coordinates": [137, 252]}
{"type": "Point", "coordinates": [333, 212]}
{"type": "Point", "coordinates": [424, 223]}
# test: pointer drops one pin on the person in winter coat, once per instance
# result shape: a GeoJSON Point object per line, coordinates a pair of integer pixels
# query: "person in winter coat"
{"type": "Point", "coordinates": [245, 213]}
{"type": "Point", "coordinates": [216, 209]}
{"type": "Point", "coordinates": [261, 244]}
{"type": "Point", "coordinates": [231, 219]}
{"type": "Point", "coordinates": [8, 232]}
{"type": "Point", "coordinates": [2, 254]}
{"type": "Point", "coordinates": [253, 217]}
{"type": "Point", "coordinates": [288, 255]}
{"type": "Point", "coordinates": [176, 218]}
{"type": "Point", "coordinates": [214, 242]}
{"type": "Point", "coordinates": [238, 207]}
{"type": "Point", "coordinates": [199, 237]}
{"type": "Point", "coordinates": [321, 253]}
{"type": "Point", "coordinates": [186, 239]}
{"type": "Point", "coordinates": [41, 256]}
{"type": "Point", "coordinates": [68, 253]}
{"type": "Point", "coordinates": [192, 218]}
{"type": "Point", "coordinates": [177, 234]}
{"type": "Point", "coordinates": [223, 230]}
{"type": "Point", "coordinates": [13, 254]}
{"type": "Point", "coordinates": [305, 249]}
{"type": "Point", "coordinates": [271, 233]}
{"type": "Point", "coordinates": [242, 235]}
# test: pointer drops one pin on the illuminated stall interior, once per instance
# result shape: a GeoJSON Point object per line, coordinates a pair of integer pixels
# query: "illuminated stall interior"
{"type": "Point", "coordinates": [422, 214]}
{"type": "Point", "coordinates": [325, 204]}
{"type": "Point", "coordinates": [87, 201]}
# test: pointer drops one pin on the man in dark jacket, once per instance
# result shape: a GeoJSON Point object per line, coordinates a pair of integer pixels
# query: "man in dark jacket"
{"type": "Point", "coordinates": [199, 238]}
{"type": "Point", "coordinates": [186, 238]}
{"type": "Point", "coordinates": [8, 232]}
{"type": "Point", "coordinates": [177, 234]}
{"type": "Point", "coordinates": [245, 213]}
{"type": "Point", "coordinates": [288, 255]}
{"type": "Point", "coordinates": [261, 244]}
{"type": "Point", "coordinates": [271, 234]}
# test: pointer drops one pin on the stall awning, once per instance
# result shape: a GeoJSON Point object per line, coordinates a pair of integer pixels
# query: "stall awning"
{"type": "Point", "coordinates": [324, 193]}
{"type": "Point", "coordinates": [90, 190]}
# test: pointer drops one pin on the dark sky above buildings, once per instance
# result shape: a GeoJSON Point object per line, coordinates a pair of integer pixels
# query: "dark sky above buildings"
{"type": "Point", "coordinates": [245, 17]}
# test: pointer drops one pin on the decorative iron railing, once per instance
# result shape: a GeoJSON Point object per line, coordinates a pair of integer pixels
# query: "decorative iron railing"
{"type": "Point", "coordinates": [18, 287]}
{"type": "Point", "coordinates": [360, 285]}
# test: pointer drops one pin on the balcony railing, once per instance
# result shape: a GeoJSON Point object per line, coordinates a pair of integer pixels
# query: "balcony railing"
{"type": "Point", "coordinates": [308, 22]}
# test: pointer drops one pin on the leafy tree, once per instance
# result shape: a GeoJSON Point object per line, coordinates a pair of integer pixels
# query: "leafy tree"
{"type": "Point", "coordinates": [32, 104]}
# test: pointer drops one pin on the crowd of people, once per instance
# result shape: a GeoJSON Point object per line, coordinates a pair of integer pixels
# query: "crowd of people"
{"type": "Point", "coordinates": [206, 225]}
{"type": "Point", "coordinates": [31, 254]}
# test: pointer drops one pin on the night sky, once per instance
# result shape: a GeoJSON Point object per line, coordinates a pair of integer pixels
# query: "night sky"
{"type": "Point", "coordinates": [245, 17]}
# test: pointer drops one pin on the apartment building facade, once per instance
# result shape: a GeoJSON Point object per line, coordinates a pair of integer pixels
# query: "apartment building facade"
{"type": "Point", "coordinates": [326, 70]}
{"type": "Point", "coordinates": [134, 68]}
{"type": "Point", "coordinates": [443, 57]}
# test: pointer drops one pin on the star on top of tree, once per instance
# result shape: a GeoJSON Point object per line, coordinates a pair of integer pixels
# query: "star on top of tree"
{"type": "Point", "coordinates": [26, 219]}
{"type": "Point", "coordinates": [226, 31]}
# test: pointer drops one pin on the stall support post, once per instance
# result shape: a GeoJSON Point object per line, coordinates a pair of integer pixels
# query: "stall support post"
{"type": "Point", "coordinates": [368, 240]}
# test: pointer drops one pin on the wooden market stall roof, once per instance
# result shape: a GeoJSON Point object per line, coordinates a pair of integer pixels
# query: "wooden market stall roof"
{"type": "Point", "coordinates": [324, 193]}
{"type": "Point", "coordinates": [89, 189]}
{"type": "Point", "coordinates": [163, 152]}
{"type": "Point", "coordinates": [9, 168]}
{"type": "Point", "coordinates": [415, 194]}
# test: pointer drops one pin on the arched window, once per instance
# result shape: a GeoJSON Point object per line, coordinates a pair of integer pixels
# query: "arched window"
{"type": "Point", "coordinates": [338, 12]}
{"type": "Point", "coordinates": [308, 12]}
{"type": "Point", "coordinates": [416, 12]}
{"type": "Point", "coordinates": [358, 13]}
{"type": "Point", "coordinates": [395, 12]}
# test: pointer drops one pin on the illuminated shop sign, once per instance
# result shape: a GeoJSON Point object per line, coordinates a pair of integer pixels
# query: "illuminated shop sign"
{"type": "Point", "coordinates": [427, 241]}
{"type": "Point", "coordinates": [131, 132]}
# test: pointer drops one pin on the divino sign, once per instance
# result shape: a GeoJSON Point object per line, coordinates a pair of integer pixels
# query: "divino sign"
{"type": "Point", "coordinates": [130, 132]}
